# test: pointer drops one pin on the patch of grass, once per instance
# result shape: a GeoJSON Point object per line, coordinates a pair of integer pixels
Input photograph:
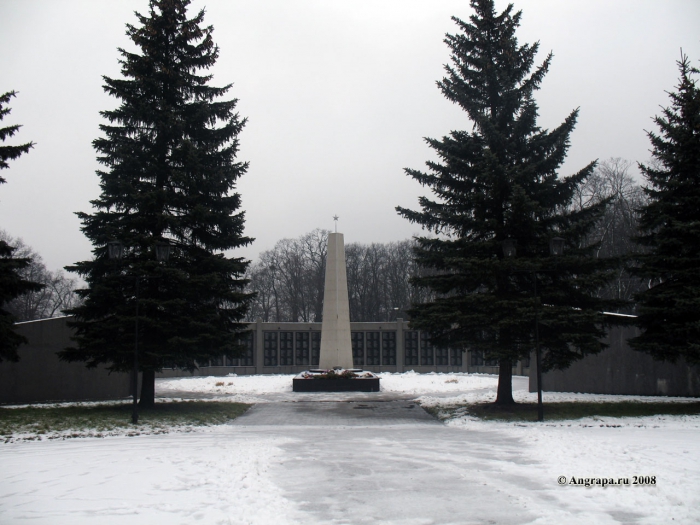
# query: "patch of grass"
{"type": "Point", "coordinates": [106, 418]}
{"type": "Point", "coordinates": [568, 410]}
{"type": "Point", "coordinates": [441, 412]}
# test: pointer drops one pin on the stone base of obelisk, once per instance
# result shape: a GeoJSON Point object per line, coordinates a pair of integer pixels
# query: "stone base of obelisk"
{"type": "Point", "coordinates": [318, 381]}
{"type": "Point", "coordinates": [335, 385]}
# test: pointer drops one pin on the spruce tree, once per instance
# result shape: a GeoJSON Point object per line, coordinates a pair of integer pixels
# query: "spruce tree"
{"type": "Point", "coordinates": [499, 182]}
{"type": "Point", "coordinates": [9, 152]}
{"type": "Point", "coordinates": [669, 311]}
{"type": "Point", "coordinates": [170, 171]}
{"type": "Point", "coordinates": [11, 284]}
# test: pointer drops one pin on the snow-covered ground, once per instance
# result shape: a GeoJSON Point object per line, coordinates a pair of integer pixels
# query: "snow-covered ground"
{"type": "Point", "coordinates": [274, 388]}
{"type": "Point", "coordinates": [466, 471]}
{"type": "Point", "coordinates": [432, 389]}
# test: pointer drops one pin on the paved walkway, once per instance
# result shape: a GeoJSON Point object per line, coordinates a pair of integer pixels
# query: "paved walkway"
{"type": "Point", "coordinates": [422, 473]}
{"type": "Point", "coordinates": [337, 414]}
{"type": "Point", "coordinates": [379, 458]}
{"type": "Point", "coordinates": [357, 458]}
{"type": "Point", "coordinates": [385, 461]}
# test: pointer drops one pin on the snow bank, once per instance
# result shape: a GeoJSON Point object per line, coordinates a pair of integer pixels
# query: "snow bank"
{"type": "Point", "coordinates": [246, 386]}
{"type": "Point", "coordinates": [413, 383]}
{"type": "Point", "coordinates": [230, 384]}
{"type": "Point", "coordinates": [523, 396]}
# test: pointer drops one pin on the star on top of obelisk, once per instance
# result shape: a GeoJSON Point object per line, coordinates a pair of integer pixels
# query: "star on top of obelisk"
{"type": "Point", "coordinates": [335, 218]}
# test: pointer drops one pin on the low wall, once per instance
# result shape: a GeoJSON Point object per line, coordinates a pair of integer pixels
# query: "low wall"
{"type": "Point", "coordinates": [621, 370]}
{"type": "Point", "coordinates": [39, 376]}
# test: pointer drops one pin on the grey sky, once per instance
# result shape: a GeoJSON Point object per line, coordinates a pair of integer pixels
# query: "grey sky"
{"type": "Point", "coordinates": [339, 96]}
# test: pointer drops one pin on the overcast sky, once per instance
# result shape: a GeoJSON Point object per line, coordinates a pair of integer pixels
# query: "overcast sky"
{"type": "Point", "coordinates": [339, 96]}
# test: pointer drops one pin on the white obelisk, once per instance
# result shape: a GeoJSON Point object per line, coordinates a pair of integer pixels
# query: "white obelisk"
{"type": "Point", "coordinates": [336, 347]}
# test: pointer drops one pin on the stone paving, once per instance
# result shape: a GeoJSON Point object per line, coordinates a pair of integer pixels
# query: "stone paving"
{"type": "Point", "coordinates": [337, 414]}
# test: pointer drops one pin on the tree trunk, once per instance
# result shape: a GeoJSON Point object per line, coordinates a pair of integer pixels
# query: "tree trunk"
{"type": "Point", "coordinates": [505, 383]}
{"type": "Point", "coordinates": [148, 389]}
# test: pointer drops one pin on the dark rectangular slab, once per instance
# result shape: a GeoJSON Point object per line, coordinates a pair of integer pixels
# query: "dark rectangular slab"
{"type": "Point", "coordinates": [335, 385]}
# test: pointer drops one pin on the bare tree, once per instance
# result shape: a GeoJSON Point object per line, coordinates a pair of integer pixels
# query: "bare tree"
{"type": "Point", "coordinates": [398, 271]}
{"type": "Point", "coordinates": [290, 271]}
{"type": "Point", "coordinates": [289, 280]}
{"type": "Point", "coordinates": [265, 306]}
{"type": "Point", "coordinates": [612, 181]}
{"type": "Point", "coordinates": [366, 282]}
{"type": "Point", "coordinates": [57, 294]}
{"type": "Point", "coordinates": [315, 248]}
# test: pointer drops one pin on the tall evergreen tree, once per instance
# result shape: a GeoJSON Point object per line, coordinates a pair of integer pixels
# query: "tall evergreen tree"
{"type": "Point", "coordinates": [669, 311]}
{"type": "Point", "coordinates": [497, 182]}
{"type": "Point", "coordinates": [170, 170]}
{"type": "Point", "coordinates": [9, 152]}
{"type": "Point", "coordinates": [11, 284]}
